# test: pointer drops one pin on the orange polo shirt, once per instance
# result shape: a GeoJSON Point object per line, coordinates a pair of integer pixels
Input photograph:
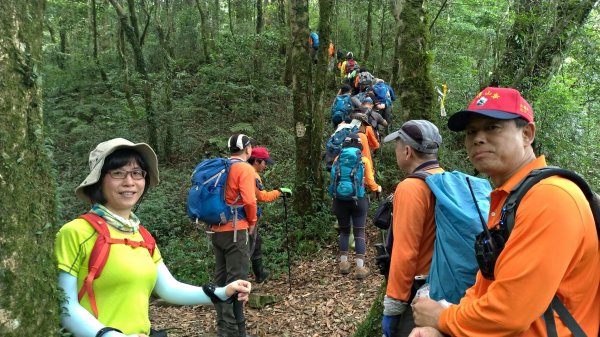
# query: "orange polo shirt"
{"type": "Point", "coordinates": [414, 235]}
{"type": "Point", "coordinates": [264, 195]}
{"type": "Point", "coordinates": [553, 249]}
{"type": "Point", "coordinates": [240, 191]}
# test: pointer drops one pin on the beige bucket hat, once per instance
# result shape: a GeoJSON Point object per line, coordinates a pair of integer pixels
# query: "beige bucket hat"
{"type": "Point", "coordinates": [102, 150]}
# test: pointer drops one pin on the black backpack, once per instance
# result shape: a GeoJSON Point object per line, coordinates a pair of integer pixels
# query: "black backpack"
{"type": "Point", "coordinates": [486, 255]}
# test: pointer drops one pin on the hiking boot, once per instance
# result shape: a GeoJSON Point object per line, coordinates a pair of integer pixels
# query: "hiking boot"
{"type": "Point", "coordinates": [259, 273]}
{"type": "Point", "coordinates": [344, 267]}
{"type": "Point", "coordinates": [361, 273]}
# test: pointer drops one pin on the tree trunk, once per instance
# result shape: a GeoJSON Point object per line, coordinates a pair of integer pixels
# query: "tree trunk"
{"type": "Point", "coordinates": [203, 31]}
{"type": "Point", "coordinates": [62, 33]}
{"type": "Point", "coordinates": [288, 74]}
{"type": "Point", "coordinates": [382, 37]}
{"type": "Point", "coordinates": [307, 178]}
{"type": "Point", "coordinates": [230, 13]}
{"type": "Point", "coordinates": [28, 293]}
{"type": "Point", "coordinates": [94, 28]}
{"type": "Point", "coordinates": [369, 37]}
{"type": "Point", "coordinates": [140, 66]}
{"type": "Point", "coordinates": [260, 22]}
{"type": "Point", "coordinates": [411, 63]}
{"type": "Point", "coordinates": [167, 58]}
{"type": "Point", "coordinates": [534, 64]}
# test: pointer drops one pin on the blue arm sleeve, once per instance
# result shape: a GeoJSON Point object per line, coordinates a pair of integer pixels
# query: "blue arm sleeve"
{"type": "Point", "coordinates": [76, 318]}
{"type": "Point", "coordinates": [173, 291]}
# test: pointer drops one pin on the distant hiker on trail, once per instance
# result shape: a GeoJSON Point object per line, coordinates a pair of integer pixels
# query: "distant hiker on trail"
{"type": "Point", "coordinates": [536, 261]}
{"type": "Point", "coordinates": [331, 56]}
{"type": "Point", "coordinates": [417, 144]}
{"type": "Point", "coordinates": [348, 66]}
{"type": "Point", "coordinates": [350, 172]}
{"type": "Point", "coordinates": [375, 119]}
{"type": "Point", "coordinates": [366, 137]}
{"type": "Point", "coordinates": [313, 42]}
{"type": "Point", "coordinates": [109, 241]}
{"type": "Point", "coordinates": [342, 106]}
{"type": "Point", "coordinates": [259, 160]}
{"type": "Point", "coordinates": [384, 98]}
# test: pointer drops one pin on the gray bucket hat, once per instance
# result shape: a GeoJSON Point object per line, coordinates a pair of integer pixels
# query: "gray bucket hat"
{"type": "Point", "coordinates": [102, 150]}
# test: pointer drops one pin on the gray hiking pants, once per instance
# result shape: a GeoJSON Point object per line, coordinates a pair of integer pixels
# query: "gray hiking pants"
{"type": "Point", "coordinates": [232, 261]}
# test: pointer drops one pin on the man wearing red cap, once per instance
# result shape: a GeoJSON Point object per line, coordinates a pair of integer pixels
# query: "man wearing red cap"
{"type": "Point", "coordinates": [551, 250]}
{"type": "Point", "coordinates": [259, 159]}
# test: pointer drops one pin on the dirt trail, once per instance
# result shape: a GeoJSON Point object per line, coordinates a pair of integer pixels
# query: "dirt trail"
{"type": "Point", "coordinates": [322, 302]}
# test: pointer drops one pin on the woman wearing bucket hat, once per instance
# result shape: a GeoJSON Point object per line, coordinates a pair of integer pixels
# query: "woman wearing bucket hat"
{"type": "Point", "coordinates": [107, 247]}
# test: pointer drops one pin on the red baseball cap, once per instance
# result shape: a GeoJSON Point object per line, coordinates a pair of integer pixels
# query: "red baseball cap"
{"type": "Point", "coordinates": [499, 103]}
{"type": "Point", "coordinates": [262, 153]}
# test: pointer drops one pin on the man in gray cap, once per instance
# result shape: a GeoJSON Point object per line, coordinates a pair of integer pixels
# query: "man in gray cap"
{"type": "Point", "coordinates": [413, 228]}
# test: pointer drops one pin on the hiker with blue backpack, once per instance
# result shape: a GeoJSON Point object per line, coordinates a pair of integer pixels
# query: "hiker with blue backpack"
{"type": "Point", "coordinates": [313, 42]}
{"type": "Point", "coordinates": [259, 160]}
{"type": "Point", "coordinates": [342, 106]}
{"type": "Point", "coordinates": [351, 175]}
{"type": "Point", "coordinates": [384, 98]}
{"type": "Point", "coordinates": [108, 263]}
{"type": "Point", "coordinates": [433, 229]}
{"type": "Point", "coordinates": [538, 253]}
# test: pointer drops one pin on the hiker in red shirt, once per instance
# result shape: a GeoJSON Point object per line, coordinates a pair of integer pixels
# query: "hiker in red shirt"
{"type": "Point", "coordinates": [259, 160]}
{"type": "Point", "coordinates": [551, 251]}
{"type": "Point", "coordinates": [109, 265]}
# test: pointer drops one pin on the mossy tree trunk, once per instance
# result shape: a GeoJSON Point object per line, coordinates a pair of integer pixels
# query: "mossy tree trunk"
{"type": "Point", "coordinates": [28, 295]}
{"type": "Point", "coordinates": [204, 35]}
{"type": "Point", "coordinates": [411, 71]}
{"type": "Point", "coordinates": [307, 158]}
{"type": "Point", "coordinates": [369, 39]}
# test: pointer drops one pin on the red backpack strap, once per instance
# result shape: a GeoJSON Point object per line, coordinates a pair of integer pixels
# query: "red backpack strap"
{"type": "Point", "coordinates": [98, 257]}
{"type": "Point", "coordinates": [100, 252]}
{"type": "Point", "coordinates": [149, 242]}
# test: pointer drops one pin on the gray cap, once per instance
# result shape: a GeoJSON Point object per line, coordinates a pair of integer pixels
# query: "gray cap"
{"type": "Point", "coordinates": [420, 134]}
{"type": "Point", "coordinates": [104, 149]}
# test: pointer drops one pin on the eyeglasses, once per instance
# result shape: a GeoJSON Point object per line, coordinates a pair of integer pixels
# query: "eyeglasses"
{"type": "Point", "coordinates": [122, 174]}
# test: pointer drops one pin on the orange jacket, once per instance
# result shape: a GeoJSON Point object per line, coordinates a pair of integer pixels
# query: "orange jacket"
{"type": "Point", "coordinates": [414, 235]}
{"type": "Point", "coordinates": [372, 138]}
{"type": "Point", "coordinates": [263, 195]}
{"type": "Point", "coordinates": [240, 191]}
{"type": "Point", "coordinates": [330, 50]}
{"type": "Point", "coordinates": [366, 149]}
{"type": "Point", "coordinates": [553, 249]}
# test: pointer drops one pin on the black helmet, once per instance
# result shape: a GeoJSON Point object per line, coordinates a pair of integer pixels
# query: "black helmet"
{"type": "Point", "coordinates": [349, 55]}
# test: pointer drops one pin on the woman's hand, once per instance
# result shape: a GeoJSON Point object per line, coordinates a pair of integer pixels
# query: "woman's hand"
{"type": "Point", "coordinates": [242, 287]}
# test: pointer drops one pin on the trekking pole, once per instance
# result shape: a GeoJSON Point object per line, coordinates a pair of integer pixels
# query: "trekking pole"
{"type": "Point", "coordinates": [238, 312]}
{"type": "Point", "coordinates": [287, 242]}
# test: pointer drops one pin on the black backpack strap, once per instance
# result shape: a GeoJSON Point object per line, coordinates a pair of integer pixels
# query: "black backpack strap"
{"type": "Point", "coordinates": [419, 174]}
{"type": "Point", "coordinates": [516, 194]}
{"type": "Point", "coordinates": [565, 316]}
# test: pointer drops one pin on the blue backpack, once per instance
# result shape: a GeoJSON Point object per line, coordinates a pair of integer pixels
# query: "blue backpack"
{"type": "Point", "coordinates": [340, 109]}
{"type": "Point", "coordinates": [381, 92]}
{"type": "Point", "coordinates": [453, 265]}
{"type": "Point", "coordinates": [347, 175]}
{"type": "Point", "coordinates": [315, 40]}
{"type": "Point", "coordinates": [334, 143]}
{"type": "Point", "coordinates": [206, 197]}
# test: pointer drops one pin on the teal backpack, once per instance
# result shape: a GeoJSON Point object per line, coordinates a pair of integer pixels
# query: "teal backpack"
{"type": "Point", "coordinates": [347, 175]}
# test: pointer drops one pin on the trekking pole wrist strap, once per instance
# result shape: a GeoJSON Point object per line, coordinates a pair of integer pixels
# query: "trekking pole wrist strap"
{"type": "Point", "coordinates": [104, 330]}
{"type": "Point", "coordinates": [209, 289]}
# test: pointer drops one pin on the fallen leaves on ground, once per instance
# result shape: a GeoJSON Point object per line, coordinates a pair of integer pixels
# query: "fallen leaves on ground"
{"type": "Point", "coordinates": [321, 302]}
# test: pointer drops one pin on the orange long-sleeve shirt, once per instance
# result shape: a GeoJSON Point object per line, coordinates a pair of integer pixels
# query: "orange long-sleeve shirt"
{"type": "Point", "coordinates": [366, 149]}
{"type": "Point", "coordinates": [263, 195]}
{"type": "Point", "coordinates": [240, 190]}
{"type": "Point", "coordinates": [414, 235]}
{"type": "Point", "coordinates": [372, 138]}
{"type": "Point", "coordinates": [553, 249]}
